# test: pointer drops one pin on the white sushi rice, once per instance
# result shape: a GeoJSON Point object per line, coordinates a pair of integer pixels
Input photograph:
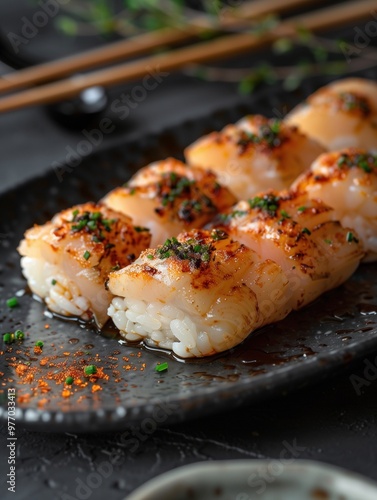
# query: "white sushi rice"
{"type": "Point", "coordinates": [51, 284]}
{"type": "Point", "coordinates": [159, 325]}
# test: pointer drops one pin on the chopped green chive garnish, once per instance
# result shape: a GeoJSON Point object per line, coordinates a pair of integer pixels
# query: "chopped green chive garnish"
{"type": "Point", "coordinates": [150, 256]}
{"type": "Point", "coordinates": [351, 102]}
{"type": "Point", "coordinates": [219, 234]}
{"type": "Point", "coordinates": [116, 267]}
{"type": "Point", "coordinates": [92, 225]}
{"type": "Point", "coordinates": [86, 255]}
{"type": "Point", "coordinates": [301, 209]}
{"type": "Point", "coordinates": [285, 214]}
{"type": "Point", "coordinates": [193, 250]}
{"type": "Point", "coordinates": [140, 229]}
{"type": "Point", "coordinates": [351, 237]}
{"type": "Point", "coordinates": [329, 242]}
{"type": "Point", "coordinates": [162, 367]}
{"type": "Point", "coordinates": [19, 335]}
{"type": "Point", "coordinates": [269, 203]}
{"type": "Point", "coordinates": [8, 338]}
{"type": "Point", "coordinates": [69, 381]}
{"type": "Point", "coordinates": [53, 282]}
{"type": "Point", "coordinates": [267, 134]}
{"type": "Point", "coordinates": [366, 162]}
{"type": "Point", "coordinates": [91, 222]}
{"type": "Point", "coordinates": [12, 302]}
{"type": "Point", "coordinates": [90, 370]}
{"type": "Point", "coordinates": [39, 343]}
{"type": "Point", "coordinates": [95, 215]}
{"type": "Point", "coordinates": [235, 213]}
{"type": "Point", "coordinates": [306, 231]}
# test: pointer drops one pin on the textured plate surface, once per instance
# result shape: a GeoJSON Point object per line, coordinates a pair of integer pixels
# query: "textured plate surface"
{"type": "Point", "coordinates": [241, 480]}
{"type": "Point", "coordinates": [306, 346]}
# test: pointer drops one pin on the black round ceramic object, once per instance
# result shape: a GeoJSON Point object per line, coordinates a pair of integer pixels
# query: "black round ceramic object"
{"type": "Point", "coordinates": [83, 111]}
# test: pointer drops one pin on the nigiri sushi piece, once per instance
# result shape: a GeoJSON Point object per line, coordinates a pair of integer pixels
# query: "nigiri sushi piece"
{"type": "Point", "coordinates": [315, 252]}
{"type": "Point", "coordinates": [67, 261]}
{"type": "Point", "coordinates": [169, 197]}
{"type": "Point", "coordinates": [347, 181]}
{"type": "Point", "coordinates": [339, 115]}
{"type": "Point", "coordinates": [255, 154]}
{"type": "Point", "coordinates": [198, 294]}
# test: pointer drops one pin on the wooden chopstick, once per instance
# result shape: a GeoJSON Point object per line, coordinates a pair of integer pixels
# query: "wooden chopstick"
{"type": "Point", "coordinates": [140, 44]}
{"type": "Point", "coordinates": [219, 48]}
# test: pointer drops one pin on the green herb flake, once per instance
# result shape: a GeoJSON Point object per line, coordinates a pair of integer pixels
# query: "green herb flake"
{"type": "Point", "coordinates": [12, 302]}
{"type": "Point", "coordinates": [53, 282]}
{"type": "Point", "coordinates": [86, 255]}
{"type": "Point", "coordinates": [351, 238]}
{"type": "Point", "coordinates": [329, 242]}
{"type": "Point", "coordinates": [193, 250]}
{"type": "Point", "coordinates": [301, 209]}
{"type": "Point", "coordinates": [351, 101]}
{"type": "Point", "coordinates": [235, 213]}
{"type": "Point", "coordinates": [141, 229]}
{"type": "Point", "coordinates": [219, 234]}
{"type": "Point", "coordinates": [285, 214]}
{"type": "Point", "coordinates": [69, 381]}
{"type": "Point", "coordinates": [162, 367]}
{"type": "Point", "coordinates": [150, 256]}
{"type": "Point", "coordinates": [95, 215]}
{"type": "Point", "coordinates": [363, 164]}
{"type": "Point", "coordinates": [268, 134]}
{"type": "Point", "coordinates": [92, 225]}
{"type": "Point", "coordinates": [306, 231]}
{"type": "Point", "coordinates": [90, 370]}
{"type": "Point", "coordinates": [39, 343]}
{"type": "Point", "coordinates": [19, 334]}
{"type": "Point", "coordinates": [8, 338]}
{"type": "Point", "coordinates": [269, 203]}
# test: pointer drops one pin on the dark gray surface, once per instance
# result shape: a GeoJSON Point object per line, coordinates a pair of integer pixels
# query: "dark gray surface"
{"type": "Point", "coordinates": [329, 422]}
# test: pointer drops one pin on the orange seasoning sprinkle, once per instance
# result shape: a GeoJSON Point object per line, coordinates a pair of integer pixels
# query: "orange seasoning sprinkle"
{"type": "Point", "coordinates": [42, 402]}
{"type": "Point", "coordinates": [24, 398]}
{"type": "Point", "coordinates": [21, 369]}
{"type": "Point", "coordinates": [43, 375]}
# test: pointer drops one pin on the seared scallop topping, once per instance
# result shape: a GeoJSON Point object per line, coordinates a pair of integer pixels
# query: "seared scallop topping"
{"type": "Point", "coordinates": [366, 162]}
{"type": "Point", "coordinates": [350, 101]}
{"type": "Point", "coordinates": [268, 135]}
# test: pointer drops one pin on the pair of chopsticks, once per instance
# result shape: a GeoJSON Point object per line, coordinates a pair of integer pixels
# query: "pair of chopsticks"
{"type": "Point", "coordinates": [222, 47]}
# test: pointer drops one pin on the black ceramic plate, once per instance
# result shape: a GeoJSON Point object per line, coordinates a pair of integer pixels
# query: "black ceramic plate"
{"type": "Point", "coordinates": [308, 345]}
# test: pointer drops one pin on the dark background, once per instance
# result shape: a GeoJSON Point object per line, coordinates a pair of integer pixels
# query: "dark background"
{"type": "Point", "coordinates": [329, 422]}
